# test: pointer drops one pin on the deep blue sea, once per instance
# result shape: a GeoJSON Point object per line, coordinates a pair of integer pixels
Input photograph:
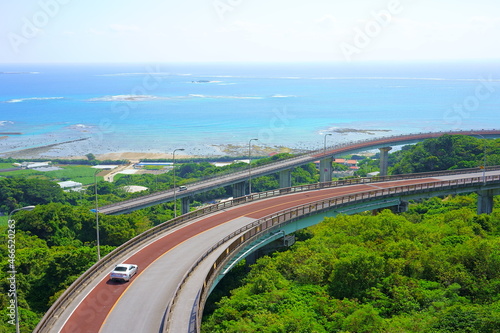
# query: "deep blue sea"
{"type": "Point", "coordinates": [201, 107]}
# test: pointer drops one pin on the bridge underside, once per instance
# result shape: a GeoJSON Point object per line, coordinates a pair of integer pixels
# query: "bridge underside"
{"type": "Point", "coordinates": [485, 205]}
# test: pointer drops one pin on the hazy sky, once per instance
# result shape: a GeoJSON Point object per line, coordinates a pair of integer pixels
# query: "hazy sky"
{"type": "Point", "coordinates": [247, 30]}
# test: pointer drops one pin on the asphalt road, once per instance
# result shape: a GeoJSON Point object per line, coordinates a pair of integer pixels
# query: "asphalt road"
{"type": "Point", "coordinates": [139, 305]}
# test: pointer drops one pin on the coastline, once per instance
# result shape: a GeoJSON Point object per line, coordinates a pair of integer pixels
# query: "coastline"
{"type": "Point", "coordinates": [75, 149]}
{"type": "Point", "coordinates": [136, 156]}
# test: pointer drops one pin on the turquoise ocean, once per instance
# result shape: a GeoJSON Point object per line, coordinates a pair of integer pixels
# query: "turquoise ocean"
{"type": "Point", "coordinates": [203, 107]}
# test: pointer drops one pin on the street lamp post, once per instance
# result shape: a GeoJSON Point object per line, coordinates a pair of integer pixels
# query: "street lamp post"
{"type": "Point", "coordinates": [324, 145]}
{"type": "Point", "coordinates": [97, 216]}
{"type": "Point", "coordinates": [16, 311]}
{"type": "Point", "coordinates": [175, 190]}
{"type": "Point", "coordinates": [250, 165]}
{"type": "Point", "coordinates": [484, 153]}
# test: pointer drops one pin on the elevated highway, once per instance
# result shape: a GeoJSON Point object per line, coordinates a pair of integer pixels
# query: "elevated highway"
{"type": "Point", "coordinates": [325, 156]}
{"type": "Point", "coordinates": [181, 260]}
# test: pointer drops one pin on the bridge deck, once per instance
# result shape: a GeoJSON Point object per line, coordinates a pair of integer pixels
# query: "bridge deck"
{"type": "Point", "coordinates": [349, 148]}
{"type": "Point", "coordinates": [139, 306]}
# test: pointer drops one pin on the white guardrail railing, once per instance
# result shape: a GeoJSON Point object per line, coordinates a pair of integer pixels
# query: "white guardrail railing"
{"type": "Point", "coordinates": [57, 308]}
{"type": "Point", "coordinates": [276, 220]}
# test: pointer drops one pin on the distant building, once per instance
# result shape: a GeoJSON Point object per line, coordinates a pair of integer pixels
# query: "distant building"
{"type": "Point", "coordinates": [342, 174]}
{"type": "Point", "coordinates": [134, 188]}
{"type": "Point", "coordinates": [350, 163]}
{"type": "Point", "coordinates": [373, 174]}
{"type": "Point", "coordinates": [71, 186]}
{"type": "Point", "coordinates": [35, 165]}
{"type": "Point", "coordinates": [221, 164]}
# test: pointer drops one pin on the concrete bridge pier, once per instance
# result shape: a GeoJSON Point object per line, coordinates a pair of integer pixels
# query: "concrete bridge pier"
{"type": "Point", "coordinates": [485, 201]}
{"type": "Point", "coordinates": [384, 160]}
{"type": "Point", "coordinates": [185, 205]}
{"type": "Point", "coordinates": [285, 178]}
{"type": "Point", "coordinates": [239, 189]}
{"type": "Point", "coordinates": [325, 169]}
{"type": "Point", "coordinates": [400, 208]}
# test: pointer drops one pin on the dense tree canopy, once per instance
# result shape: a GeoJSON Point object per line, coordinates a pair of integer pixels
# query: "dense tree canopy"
{"type": "Point", "coordinates": [19, 192]}
{"type": "Point", "coordinates": [417, 272]}
{"type": "Point", "coordinates": [445, 153]}
{"type": "Point", "coordinates": [433, 269]}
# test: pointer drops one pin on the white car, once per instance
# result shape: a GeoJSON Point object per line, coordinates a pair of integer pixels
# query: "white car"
{"type": "Point", "coordinates": [123, 272]}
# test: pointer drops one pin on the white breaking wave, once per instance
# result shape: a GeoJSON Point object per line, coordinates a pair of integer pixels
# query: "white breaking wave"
{"type": "Point", "coordinates": [80, 127]}
{"type": "Point", "coordinates": [126, 98]}
{"type": "Point", "coordinates": [147, 98]}
{"type": "Point", "coordinates": [146, 74]}
{"type": "Point", "coordinates": [19, 100]}
{"type": "Point", "coordinates": [224, 97]}
{"type": "Point", "coordinates": [6, 122]}
{"type": "Point", "coordinates": [282, 96]}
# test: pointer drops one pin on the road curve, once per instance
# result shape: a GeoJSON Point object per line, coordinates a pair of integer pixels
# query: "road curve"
{"type": "Point", "coordinates": [112, 307]}
{"type": "Point", "coordinates": [232, 178]}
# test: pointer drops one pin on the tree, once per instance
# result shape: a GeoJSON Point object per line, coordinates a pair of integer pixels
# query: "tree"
{"type": "Point", "coordinates": [90, 156]}
{"type": "Point", "coordinates": [18, 192]}
{"type": "Point", "coordinates": [356, 273]}
{"type": "Point", "coordinates": [445, 153]}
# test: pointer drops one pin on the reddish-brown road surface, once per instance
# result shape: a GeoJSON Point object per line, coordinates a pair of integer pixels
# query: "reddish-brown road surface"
{"type": "Point", "coordinates": [91, 313]}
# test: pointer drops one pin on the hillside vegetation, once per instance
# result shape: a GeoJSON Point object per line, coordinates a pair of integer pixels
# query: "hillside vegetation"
{"type": "Point", "coordinates": [433, 269]}
{"type": "Point", "coordinates": [447, 152]}
{"type": "Point", "coordinates": [56, 242]}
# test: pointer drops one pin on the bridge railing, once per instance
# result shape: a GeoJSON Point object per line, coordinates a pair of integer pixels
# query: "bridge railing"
{"type": "Point", "coordinates": [119, 254]}
{"type": "Point", "coordinates": [277, 220]}
{"type": "Point", "coordinates": [312, 154]}
{"type": "Point", "coordinates": [344, 182]}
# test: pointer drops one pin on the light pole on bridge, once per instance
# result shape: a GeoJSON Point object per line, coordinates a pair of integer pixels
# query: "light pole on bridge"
{"type": "Point", "coordinates": [175, 190]}
{"type": "Point", "coordinates": [324, 145]}
{"type": "Point", "coordinates": [250, 165]}
{"type": "Point", "coordinates": [484, 153]}
{"type": "Point", "coordinates": [97, 215]}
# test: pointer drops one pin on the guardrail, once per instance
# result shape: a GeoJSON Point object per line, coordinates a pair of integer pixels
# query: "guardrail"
{"type": "Point", "coordinates": [109, 260]}
{"type": "Point", "coordinates": [275, 221]}
{"type": "Point", "coordinates": [339, 148]}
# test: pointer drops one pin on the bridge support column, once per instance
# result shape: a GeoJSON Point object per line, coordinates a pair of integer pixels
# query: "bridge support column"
{"type": "Point", "coordinates": [384, 160]}
{"type": "Point", "coordinates": [325, 169]}
{"type": "Point", "coordinates": [485, 202]}
{"type": "Point", "coordinates": [239, 189]}
{"type": "Point", "coordinates": [185, 205]}
{"type": "Point", "coordinates": [401, 208]}
{"type": "Point", "coordinates": [285, 178]}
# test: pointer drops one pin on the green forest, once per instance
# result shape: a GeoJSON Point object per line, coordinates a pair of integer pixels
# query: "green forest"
{"type": "Point", "coordinates": [56, 242]}
{"type": "Point", "coordinates": [435, 268]}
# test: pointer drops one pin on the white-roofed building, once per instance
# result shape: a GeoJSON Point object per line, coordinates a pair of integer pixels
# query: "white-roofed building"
{"type": "Point", "coordinates": [69, 186]}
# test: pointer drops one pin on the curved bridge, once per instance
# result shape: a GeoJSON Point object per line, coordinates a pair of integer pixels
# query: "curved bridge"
{"type": "Point", "coordinates": [181, 260]}
{"type": "Point", "coordinates": [239, 178]}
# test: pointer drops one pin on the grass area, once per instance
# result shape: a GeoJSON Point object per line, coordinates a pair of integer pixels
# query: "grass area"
{"type": "Point", "coordinates": [79, 173]}
{"type": "Point", "coordinates": [118, 176]}
{"type": "Point", "coordinates": [24, 173]}
{"type": "Point", "coordinates": [154, 167]}
{"type": "Point", "coordinates": [6, 166]}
